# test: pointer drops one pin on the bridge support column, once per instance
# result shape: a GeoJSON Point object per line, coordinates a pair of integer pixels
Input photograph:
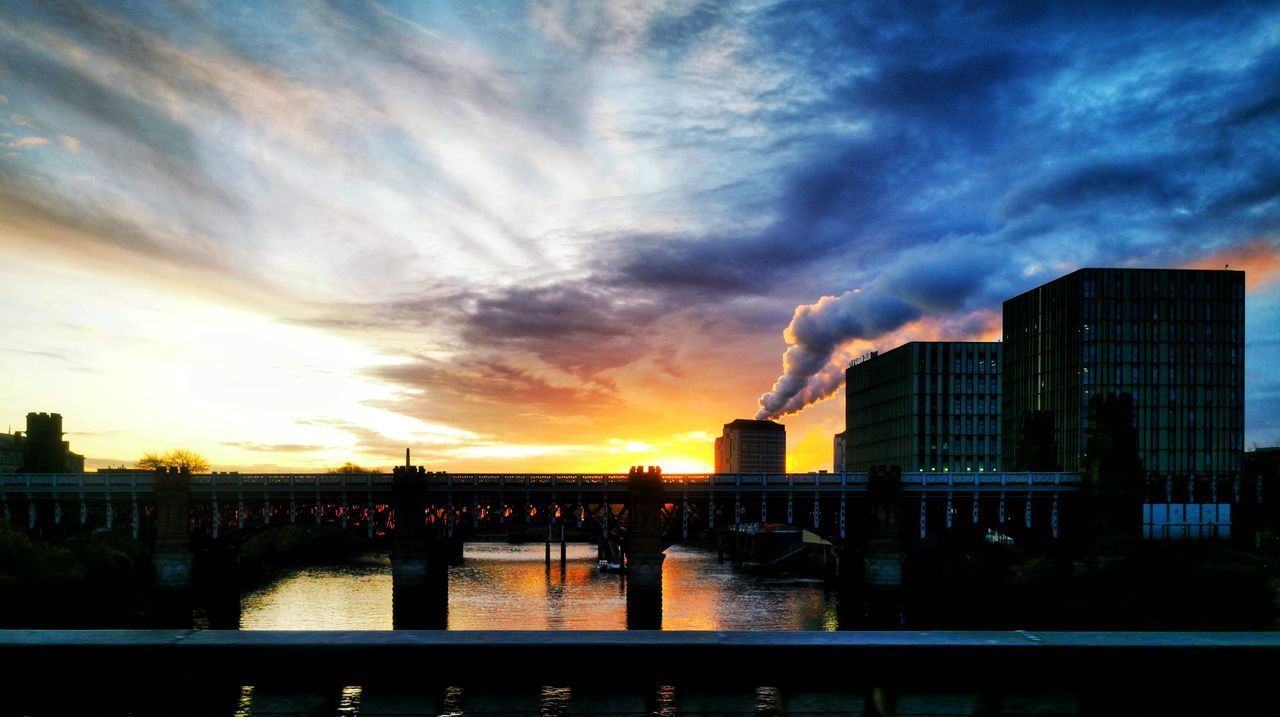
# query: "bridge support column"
{"type": "Point", "coordinates": [644, 549]}
{"type": "Point", "coordinates": [419, 563]}
{"type": "Point", "coordinates": [684, 516]}
{"type": "Point", "coordinates": [173, 544]}
{"type": "Point", "coordinates": [883, 556]}
{"type": "Point", "coordinates": [843, 530]}
{"type": "Point", "coordinates": [214, 519]}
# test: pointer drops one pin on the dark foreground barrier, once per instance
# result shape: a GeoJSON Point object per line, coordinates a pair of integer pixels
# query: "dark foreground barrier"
{"type": "Point", "coordinates": [403, 673]}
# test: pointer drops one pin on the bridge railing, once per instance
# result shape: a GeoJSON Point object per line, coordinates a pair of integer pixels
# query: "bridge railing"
{"type": "Point", "coordinates": [47, 483]}
{"type": "Point", "coordinates": [403, 672]}
{"type": "Point", "coordinates": [994, 479]}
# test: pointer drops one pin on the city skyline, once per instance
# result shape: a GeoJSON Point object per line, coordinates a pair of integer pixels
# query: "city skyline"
{"type": "Point", "coordinates": [579, 238]}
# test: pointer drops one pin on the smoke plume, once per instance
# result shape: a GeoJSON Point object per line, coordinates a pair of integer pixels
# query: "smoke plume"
{"type": "Point", "coordinates": [814, 334]}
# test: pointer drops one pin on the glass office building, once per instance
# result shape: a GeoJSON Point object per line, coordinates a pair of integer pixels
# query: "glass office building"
{"type": "Point", "coordinates": [1171, 338]}
{"type": "Point", "coordinates": [925, 406]}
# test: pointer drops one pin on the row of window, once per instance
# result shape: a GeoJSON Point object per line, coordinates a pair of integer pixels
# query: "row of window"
{"type": "Point", "coordinates": [935, 385]}
{"type": "Point", "coordinates": [1161, 331]}
{"type": "Point", "coordinates": [1149, 310]}
{"type": "Point", "coordinates": [1188, 354]}
{"type": "Point", "coordinates": [1130, 284]}
{"type": "Point", "coordinates": [1135, 375]}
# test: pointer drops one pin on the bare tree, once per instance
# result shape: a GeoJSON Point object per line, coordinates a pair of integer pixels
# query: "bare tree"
{"type": "Point", "coordinates": [350, 467]}
{"type": "Point", "coordinates": [178, 458]}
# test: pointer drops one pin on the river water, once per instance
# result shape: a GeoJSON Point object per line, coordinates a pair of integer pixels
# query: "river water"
{"type": "Point", "coordinates": [508, 587]}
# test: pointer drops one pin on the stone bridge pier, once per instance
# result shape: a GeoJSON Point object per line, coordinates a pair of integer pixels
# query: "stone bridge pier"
{"type": "Point", "coordinates": [172, 555]}
{"type": "Point", "coordinates": [883, 557]}
{"type": "Point", "coordinates": [419, 557]}
{"type": "Point", "coordinates": [643, 549]}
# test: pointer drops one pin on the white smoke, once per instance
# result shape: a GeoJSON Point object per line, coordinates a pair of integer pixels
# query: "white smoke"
{"type": "Point", "coordinates": [815, 333]}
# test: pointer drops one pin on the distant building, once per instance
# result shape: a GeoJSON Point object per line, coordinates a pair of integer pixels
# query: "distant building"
{"type": "Point", "coordinates": [40, 449]}
{"type": "Point", "coordinates": [925, 406]}
{"type": "Point", "coordinates": [838, 455]}
{"type": "Point", "coordinates": [10, 452]}
{"type": "Point", "coordinates": [748, 446]}
{"type": "Point", "coordinates": [1172, 339]}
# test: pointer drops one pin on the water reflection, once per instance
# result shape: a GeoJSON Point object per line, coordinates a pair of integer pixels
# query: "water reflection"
{"type": "Point", "coordinates": [506, 587]}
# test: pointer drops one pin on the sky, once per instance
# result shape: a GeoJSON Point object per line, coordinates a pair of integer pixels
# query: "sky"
{"type": "Point", "coordinates": [563, 236]}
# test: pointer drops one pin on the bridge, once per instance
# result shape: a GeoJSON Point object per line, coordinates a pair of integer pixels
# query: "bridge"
{"type": "Point", "coordinates": [223, 502]}
{"type": "Point", "coordinates": [424, 517]}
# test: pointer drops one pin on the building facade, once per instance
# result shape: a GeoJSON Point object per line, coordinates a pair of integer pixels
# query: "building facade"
{"type": "Point", "coordinates": [838, 457]}
{"type": "Point", "coordinates": [748, 446]}
{"type": "Point", "coordinates": [925, 406]}
{"type": "Point", "coordinates": [10, 452]}
{"type": "Point", "coordinates": [40, 449]}
{"type": "Point", "coordinates": [1173, 339]}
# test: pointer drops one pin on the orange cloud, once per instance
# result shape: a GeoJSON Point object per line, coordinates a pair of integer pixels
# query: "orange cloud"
{"type": "Point", "coordinates": [1259, 259]}
{"type": "Point", "coordinates": [981, 325]}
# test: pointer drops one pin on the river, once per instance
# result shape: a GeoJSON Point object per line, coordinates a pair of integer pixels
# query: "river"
{"type": "Point", "coordinates": [508, 587]}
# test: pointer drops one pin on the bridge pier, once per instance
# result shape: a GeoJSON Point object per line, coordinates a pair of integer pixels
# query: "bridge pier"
{"type": "Point", "coordinates": [419, 560]}
{"type": "Point", "coordinates": [884, 556]}
{"type": "Point", "coordinates": [644, 549]}
{"type": "Point", "coordinates": [172, 555]}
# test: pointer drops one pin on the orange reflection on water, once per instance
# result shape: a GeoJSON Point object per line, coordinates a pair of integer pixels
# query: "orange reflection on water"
{"type": "Point", "coordinates": [510, 587]}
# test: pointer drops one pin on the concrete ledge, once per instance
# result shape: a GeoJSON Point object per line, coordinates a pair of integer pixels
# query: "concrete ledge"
{"type": "Point", "coordinates": [851, 660]}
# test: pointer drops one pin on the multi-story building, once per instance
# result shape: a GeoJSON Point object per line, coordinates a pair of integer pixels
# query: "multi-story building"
{"type": "Point", "coordinates": [838, 458]}
{"type": "Point", "coordinates": [925, 406]}
{"type": "Point", "coordinates": [748, 446]}
{"type": "Point", "coordinates": [40, 449]}
{"type": "Point", "coordinates": [10, 452]}
{"type": "Point", "coordinates": [1173, 339]}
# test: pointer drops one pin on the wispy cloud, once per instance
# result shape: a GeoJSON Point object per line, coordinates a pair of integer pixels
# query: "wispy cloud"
{"type": "Point", "coordinates": [571, 220]}
{"type": "Point", "coordinates": [27, 142]}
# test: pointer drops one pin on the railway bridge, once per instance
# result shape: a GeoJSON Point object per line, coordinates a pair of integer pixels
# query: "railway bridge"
{"type": "Point", "coordinates": [423, 514]}
{"type": "Point", "coordinates": [220, 505]}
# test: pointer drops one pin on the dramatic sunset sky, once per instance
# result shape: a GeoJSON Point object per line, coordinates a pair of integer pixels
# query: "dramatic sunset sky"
{"type": "Point", "coordinates": [580, 236]}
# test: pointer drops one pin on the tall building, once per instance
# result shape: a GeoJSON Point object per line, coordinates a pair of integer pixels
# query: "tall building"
{"type": "Point", "coordinates": [838, 458]}
{"type": "Point", "coordinates": [748, 446]}
{"type": "Point", "coordinates": [40, 449]}
{"type": "Point", "coordinates": [1173, 339]}
{"type": "Point", "coordinates": [925, 406]}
